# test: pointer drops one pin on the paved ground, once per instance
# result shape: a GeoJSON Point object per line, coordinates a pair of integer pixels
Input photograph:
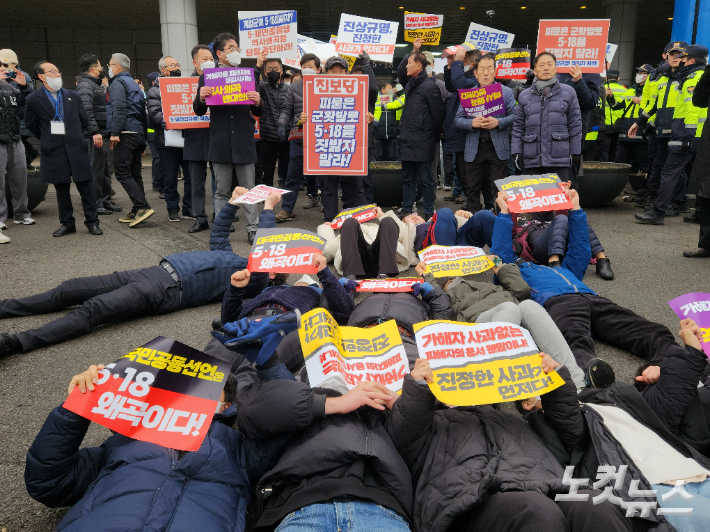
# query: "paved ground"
{"type": "Point", "coordinates": [650, 271]}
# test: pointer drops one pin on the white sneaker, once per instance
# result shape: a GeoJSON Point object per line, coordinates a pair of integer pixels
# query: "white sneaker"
{"type": "Point", "coordinates": [2, 226]}
{"type": "Point", "coordinates": [4, 239]}
{"type": "Point", "coordinates": [447, 187]}
{"type": "Point", "coordinates": [25, 221]}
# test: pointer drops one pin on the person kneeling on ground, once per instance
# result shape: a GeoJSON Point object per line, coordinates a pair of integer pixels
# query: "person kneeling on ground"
{"type": "Point", "coordinates": [478, 469]}
{"type": "Point", "coordinates": [130, 485]}
{"type": "Point", "coordinates": [181, 280]}
{"type": "Point", "coordinates": [575, 308]}
{"type": "Point", "coordinates": [509, 302]}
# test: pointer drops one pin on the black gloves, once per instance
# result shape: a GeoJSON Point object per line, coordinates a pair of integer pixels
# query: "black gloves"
{"type": "Point", "coordinates": [281, 133]}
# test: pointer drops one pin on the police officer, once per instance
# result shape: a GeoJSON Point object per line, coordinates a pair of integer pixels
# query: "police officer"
{"type": "Point", "coordinates": [633, 151]}
{"type": "Point", "coordinates": [686, 129]}
{"type": "Point", "coordinates": [614, 94]}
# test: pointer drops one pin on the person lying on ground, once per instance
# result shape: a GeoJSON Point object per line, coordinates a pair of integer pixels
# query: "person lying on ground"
{"type": "Point", "coordinates": [579, 313]}
{"type": "Point", "coordinates": [447, 228]}
{"type": "Point", "coordinates": [482, 302]}
{"type": "Point", "coordinates": [179, 281]}
{"type": "Point", "coordinates": [134, 485]}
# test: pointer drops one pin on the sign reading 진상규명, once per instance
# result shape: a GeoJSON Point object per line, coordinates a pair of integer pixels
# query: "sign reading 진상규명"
{"type": "Point", "coordinates": [534, 193]}
{"type": "Point", "coordinates": [335, 133]}
{"type": "Point", "coordinates": [454, 261]}
{"type": "Point", "coordinates": [231, 85]}
{"type": "Point", "coordinates": [337, 355]}
{"type": "Point", "coordinates": [163, 392]}
{"type": "Point", "coordinates": [270, 32]}
{"type": "Point", "coordinates": [695, 306]}
{"type": "Point", "coordinates": [485, 363]}
{"type": "Point", "coordinates": [362, 34]}
{"type": "Point", "coordinates": [580, 43]}
{"type": "Point", "coordinates": [483, 101]}
{"type": "Point", "coordinates": [488, 39]}
{"type": "Point", "coordinates": [176, 97]}
{"type": "Point", "coordinates": [284, 250]}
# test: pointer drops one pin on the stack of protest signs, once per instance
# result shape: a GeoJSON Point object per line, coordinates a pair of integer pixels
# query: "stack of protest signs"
{"type": "Point", "coordinates": [284, 250]}
{"type": "Point", "coordinates": [485, 363]}
{"type": "Point", "coordinates": [534, 193]}
{"type": "Point", "coordinates": [164, 392]}
{"type": "Point", "coordinates": [341, 357]}
{"type": "Point", "coordinates": [454, 261]}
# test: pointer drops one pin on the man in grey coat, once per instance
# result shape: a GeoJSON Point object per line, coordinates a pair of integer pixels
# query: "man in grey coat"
{"type": "Point", "coordinates": [547, 128]}
{"type": "Point", "coordinates": [487, 144]}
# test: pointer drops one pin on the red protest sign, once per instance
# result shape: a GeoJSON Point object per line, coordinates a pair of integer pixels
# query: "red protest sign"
{"type": "Point", "coordinates": [388, 285]}
{"type": "Point", "coordinates": [257, 128]}
{"type": "Point", "coordinates": [534, 193]}
{"type": "Point", "coordinates": [335, 134]}
{"type": "Point", "coordinates": [361, 214]}
{"type": "Point", "coordinates": [176, 96]}
{"type": "Point", "coordinates": [512, 63]}
{"type": "Point", "coordinates": [154, 394]}
{"type": "Point", "coordinates": [579, 43]}
{"type": "Point", "coordinates": [284, 251]}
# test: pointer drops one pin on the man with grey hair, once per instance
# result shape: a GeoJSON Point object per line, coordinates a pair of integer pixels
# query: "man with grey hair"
{"type": "Point", "coordinates": [127, 123]}
{"type": "Point", "coordinates": [170, 156]}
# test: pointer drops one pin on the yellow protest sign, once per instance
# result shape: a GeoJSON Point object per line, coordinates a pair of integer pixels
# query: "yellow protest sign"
{"type": "Point", "coordinates": [485, 363]}
{"type": "Point", "coordinates": [422, 26]}
{"type": "Point", "coordinates": [454, 261]}
{"type": "Point", "coordinates": [350, 59]}
{"type": "Point", "coordinates": [351, 354]}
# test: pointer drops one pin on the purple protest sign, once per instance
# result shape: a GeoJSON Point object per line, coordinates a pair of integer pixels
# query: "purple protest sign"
{"type": "Point", "coordinates": [483, 101]}
{"type": "Point", "coordinates": [230, 85]}
{"type": "Point", "coordinates": [695, 306]}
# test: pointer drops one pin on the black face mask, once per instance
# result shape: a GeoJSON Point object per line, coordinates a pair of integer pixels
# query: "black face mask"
{"type": "Point", "coordinates": [273, 77]}
{"type": "Point", "coordinates": [102, 74]}
{"type": "Point", "coordinates": [176, 73]}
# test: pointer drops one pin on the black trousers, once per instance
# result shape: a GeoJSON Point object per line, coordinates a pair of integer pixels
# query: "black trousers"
{"type": "Point", "coordinates": [127, 167]}
{"type": "Point", "coordinates": [673, 181]}
{"type": "Point", "coordinates": [353, 194]}
{"type": "Point", "coordinates": [607, 145]}
{"type": "Point", "coordinates": [365, 260]}
{"type": "Point", "coordinates": [654, 176]}
{"type": "Point", "coordinates": [633, 152]}
{"type": "Point", "coordinates": [102, 299]}
{"type": "Point", "coordinates": [583, 317]}
{"type": "Point", "coordinates": [270, 153]}
{"type": "Point", "coordinates": [486, 161]}
{"type": "Point", "coordinates": [702, 207]}
{"type": "Point", "coordinates": [530, 511]}
{"type": "Point", "coordinates": [66, 211]}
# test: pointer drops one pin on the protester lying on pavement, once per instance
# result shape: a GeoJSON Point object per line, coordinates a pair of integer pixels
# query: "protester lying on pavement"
{"type": "Point", "coordinates": [181, 280]}
{"type": "Point", "coordinates": [128, 484]}
{"type": "Point", "coordinates": [580, 314]}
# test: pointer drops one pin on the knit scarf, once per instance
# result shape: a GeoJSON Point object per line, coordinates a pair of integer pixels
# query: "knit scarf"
{"type": "Point", "coordinates": [543, 87]}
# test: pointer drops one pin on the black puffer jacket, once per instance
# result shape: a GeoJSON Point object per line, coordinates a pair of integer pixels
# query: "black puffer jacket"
{"type": "Point", "coordinates": [406, 309]}
{"type": "Point", "coordinates": [341, 455]}
{"type": "Point", "coordinates": [154, 105]}
{"type": "Point", "coordinates": [293, 106]}
{"type": "Point", "coordinates": [12, 103]}
{"type": "Point", "coordinates": [458, 456]}
{"type": "Point", "coordinates": [94, 97]}
{"type": "Point", "coordinates": [273, 101]}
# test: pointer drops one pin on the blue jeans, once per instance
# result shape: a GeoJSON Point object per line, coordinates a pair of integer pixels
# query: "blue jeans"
{"type": "Point", "coordinates": [412, 172]}
{"type": "Point", "coordinates": [444, 231]}
{"type": "Point", "coordinates": [294, 176]}
{"type": "Point", "coordinates": [343, 515]}
{"type": "Point", "coordinates": [700, 503]}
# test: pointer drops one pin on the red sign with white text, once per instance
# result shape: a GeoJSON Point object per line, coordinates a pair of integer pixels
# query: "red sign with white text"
{"type": "Point", "coordinates": [335, 134]}
{"type": "Point", "coordinates": [388, 285]}
{"type": "Point", "coordinates": [154, 394]}
{"type": "Point", "coordinates": [284, 251]}
{"type": "Point", "coordinates": [361, 214]}
{"type": "Point", "coordinates": [176, 96]}
{"type": "Point", "coordinates": [579, 43]}
{"type": "Point", "coordinates": [535, 193]}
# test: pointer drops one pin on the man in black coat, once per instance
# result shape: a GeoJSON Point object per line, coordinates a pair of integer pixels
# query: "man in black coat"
{"type": "Point", "coordinates": [232, 146]}
{"type": "Point", "coordinates": [94, 97]}
{"type": "Point", "coordinates": [420, 130]}
{"type": "Point", "coordinates": [57, 118]}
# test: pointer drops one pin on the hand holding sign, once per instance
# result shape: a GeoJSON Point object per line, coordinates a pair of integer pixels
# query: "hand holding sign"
{"type": "Point", "coordinates": [285, 250]}
{"type": "Point", "coordinates": [422, 371]}
{"type": "Point", "coordinates": [85, 381]}
{"type": "Point", "coordinates": [694, 311]}
{"type": "Point", "coordinates": [240, 279]}
{"type": "Point", "coordinates": [258, 194]}
{"type": "Point", "coordinates": [354, 399]}
{"type": "Point", "coordinates": [535, 193]}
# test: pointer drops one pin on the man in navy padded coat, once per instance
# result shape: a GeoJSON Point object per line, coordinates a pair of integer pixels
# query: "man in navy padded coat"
{"type": "Point", "coordinates": [131, 485]}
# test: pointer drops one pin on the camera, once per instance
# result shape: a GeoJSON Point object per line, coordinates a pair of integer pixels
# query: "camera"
{"type": "Point", "coordinates": [490, 13]}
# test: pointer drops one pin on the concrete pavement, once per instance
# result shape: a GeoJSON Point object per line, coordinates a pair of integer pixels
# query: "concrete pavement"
{"type": "Point", "coordinates": [647, 260]}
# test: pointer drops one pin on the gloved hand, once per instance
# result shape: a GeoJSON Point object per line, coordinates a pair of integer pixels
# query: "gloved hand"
{"type": "Point", "coordinates": [518, 159]}
{"type": "Point", "coordinates": [348, 284]}
{"type": "Point", "coordinates": [421, 288]}
{"type": "Point", "coordinates": [281, 133]}
{"type": "Point", "coordinates": [365, 58]}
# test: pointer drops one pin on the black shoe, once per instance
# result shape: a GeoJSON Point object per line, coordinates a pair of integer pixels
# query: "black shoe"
{"type": "Point", "coordinates": [251, 235]}
{"type": "Point", "coordinates": [199, 226]}
{"type": "Point", "coordinates": [161, 196]}
{"type": "Point", "coordinates": [8, 345]}
{"type": "Point", "coordinates": [173, 216]}
{"type": "Point", "coordinates": [604, 269]}
{"type": "Point", "coordinates": [599, 374]}
{"type": "Point", "coordinates": [65, 229]}
{"type": "Point", "coordinates": [699, 253]}
{"type": "Point", "coordinates": [103, 212]}
{"type": "Point", "coordinates": [692, 219]}
{"type": "Point", "coordinates": [112, 207]}
{"type": "Point", "coordinates": [684, 207]}
{"type": "Point", "coordinates": [232, 229]}
{"type": "Point", "coordinates": [188, 215]}
{"type": "Point", "coordinates": [672, 211]}
{"type": "Point", "coordinates": [648, 218]}
{"type": "Point", "coordinates": [643, 202]}
{"type": "Point", "coordinates": [94, 229]}
{"type": "Point", "coordinates": [554, 264]}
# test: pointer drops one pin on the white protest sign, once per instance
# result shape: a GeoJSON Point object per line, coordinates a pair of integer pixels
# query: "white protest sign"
{"type": "Point", "coordinates": [273, 32]}
{"type": "Point", "coordinates": [611, 51]}
{"type": "Point", "coordinates": [488, 39]}
{"type": "Point", "coordinates": [323, 50]}
{"type": "Point", "coordinates": [258, 194]}
{"type": "Point", "coordinates": [374, 36]}
{"type": "Point", "coordinates": [296, 62]}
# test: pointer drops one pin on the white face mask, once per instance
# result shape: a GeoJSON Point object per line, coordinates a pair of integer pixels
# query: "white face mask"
{"type": "Point", "coordinates": [429, 70]}
{"type": "Point", "coordinates": [306, 279]}
{"type": "Point", "coordinates": [54, 83]}
{"type": "Point", "coordinates": [287, 83]}
{"type": "Point", "coordinates": [640, 78]}
{"type": "Point", "coordinates": [234, 58]}
{"type": "Point", "coordinates": [466, 68]}
{"type": "Point", "coordinates": [307, 71]}
{"type": "Point", "coordinates": [110, 72]}
{"type": "Point", "coordinates": [207, 64]}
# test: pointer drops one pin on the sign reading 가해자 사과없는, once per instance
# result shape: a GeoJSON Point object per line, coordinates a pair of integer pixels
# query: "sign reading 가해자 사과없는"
{"type": "Point", "coordinates": [485, 363]}
{"type": "Point", "coordinates": [534, 193]}
{"type": "Point", "coordinates": [154, 394]}
{"type": "Point", "coordinates": [695, 306]}
{"type": "Point", "coordinates": [423, 26]}
{"type": "Point", "coordinates": [284, 250]}
{"type": "Point", "coordinates": [349, 355]}
{"type": "Point", "coordinates": [454, 261]}
{"type": "Point", "coordinates": [231, 85]}
{"type": "Point", "coordinates": [176, 97]}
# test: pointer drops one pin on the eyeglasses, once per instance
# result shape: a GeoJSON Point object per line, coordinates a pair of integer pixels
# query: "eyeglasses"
{"type": "Point", "coordinates": [55, 71]}
{"type": "Point", "coordinates": [174, 65]}
{"type": "Point", "coordinates": [273, 69]}
{"type": "Point", "coordinates": [228, 49]}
